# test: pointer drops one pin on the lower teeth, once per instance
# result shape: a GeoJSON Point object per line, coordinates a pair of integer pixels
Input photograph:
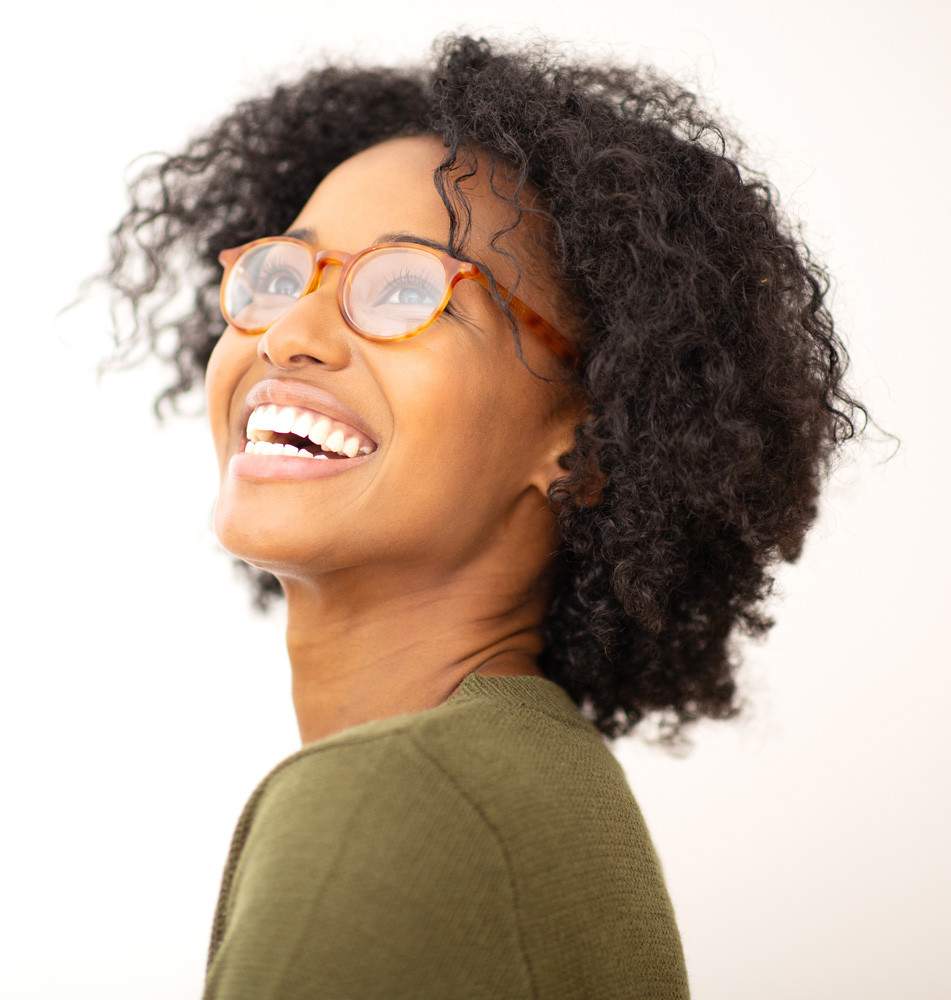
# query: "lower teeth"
{"type": "Point", "coordinates": [273, 448]}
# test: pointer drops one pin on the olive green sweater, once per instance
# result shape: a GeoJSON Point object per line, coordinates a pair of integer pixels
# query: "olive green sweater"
{"type": "Point", "coordinates": [489, 847]}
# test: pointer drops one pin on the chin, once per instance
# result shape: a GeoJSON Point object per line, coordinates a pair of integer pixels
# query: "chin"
{"type": "Point", "coordinates": [260, 534]}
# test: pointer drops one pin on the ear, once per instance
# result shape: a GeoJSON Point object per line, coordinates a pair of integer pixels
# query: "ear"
{"type": "Point", "coordinates": [561, 441]}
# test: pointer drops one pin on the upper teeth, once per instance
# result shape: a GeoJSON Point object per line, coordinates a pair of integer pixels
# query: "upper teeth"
{"type": "Point", "coordinates": [331, 435]}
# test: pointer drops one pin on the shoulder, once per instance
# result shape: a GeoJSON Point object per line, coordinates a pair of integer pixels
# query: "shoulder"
{"type": "Point", "coordinates": [512, 778]}
{"type": "Point", "coordinates": [365, 782]}
{"type": "Point", "coordinates": [404, 850]}
{"type": "Point", "coordinates": [485, 766]}
{"type": "Point", "coordinates": [372, 798]}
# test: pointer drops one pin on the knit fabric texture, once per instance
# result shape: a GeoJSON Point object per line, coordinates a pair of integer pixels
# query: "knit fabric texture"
{"type": "Point", "coordinates": [489, 848]}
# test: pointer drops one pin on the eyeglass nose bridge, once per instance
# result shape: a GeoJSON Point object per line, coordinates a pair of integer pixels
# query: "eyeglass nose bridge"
{"type": "Point", "coordinates": [320, 261]}
{"type": "Point", "coordinates": [324, 257]}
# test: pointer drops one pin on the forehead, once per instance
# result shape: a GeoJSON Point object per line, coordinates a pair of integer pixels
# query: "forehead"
{"type": "Point", "coordinates": [389, 187]}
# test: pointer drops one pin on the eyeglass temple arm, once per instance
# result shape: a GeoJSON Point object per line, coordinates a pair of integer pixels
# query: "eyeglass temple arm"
{"type": "Point", "coordinates": [554, 340]}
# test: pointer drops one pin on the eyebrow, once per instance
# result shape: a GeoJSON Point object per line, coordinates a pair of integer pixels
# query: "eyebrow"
{"type": "Point", "coordinates": [309, 235]}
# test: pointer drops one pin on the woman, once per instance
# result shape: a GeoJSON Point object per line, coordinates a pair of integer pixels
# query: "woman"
{"type": "Point", "coordinates": [520, 390]}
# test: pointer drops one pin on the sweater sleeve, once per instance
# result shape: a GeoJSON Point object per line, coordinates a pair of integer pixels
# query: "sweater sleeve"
{"type": "Point", "coordinates": [366, 874]}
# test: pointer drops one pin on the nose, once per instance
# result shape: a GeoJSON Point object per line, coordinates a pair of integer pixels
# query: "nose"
{"type": "Point", "coordinates": [311, 330]}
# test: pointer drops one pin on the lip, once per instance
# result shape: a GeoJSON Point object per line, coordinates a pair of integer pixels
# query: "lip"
{"type": "Point", "coordinates": [294, 392]}
{"type": "Point", "coordinates": [244, 465]}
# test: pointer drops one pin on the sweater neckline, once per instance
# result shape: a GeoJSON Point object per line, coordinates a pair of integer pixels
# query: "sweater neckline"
{"type": "Point", "coordinates": [519, 691]}
{"type": "Point", "coordinates": [527, 690]}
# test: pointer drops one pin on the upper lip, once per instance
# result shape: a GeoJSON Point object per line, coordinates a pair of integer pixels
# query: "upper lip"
{"type": "Point", "coordinates": [293, 392]}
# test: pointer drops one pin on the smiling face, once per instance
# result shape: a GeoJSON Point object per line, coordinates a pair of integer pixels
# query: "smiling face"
{"type": "Point", "coordinates": [467, 438]}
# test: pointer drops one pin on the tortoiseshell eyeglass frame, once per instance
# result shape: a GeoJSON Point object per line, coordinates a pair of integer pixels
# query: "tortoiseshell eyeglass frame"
{"type": "Point", "coordinates": [455, 270]}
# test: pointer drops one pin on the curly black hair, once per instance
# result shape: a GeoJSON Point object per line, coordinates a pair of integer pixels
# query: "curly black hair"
{"type": "Point", "coordinates": [709, 357]}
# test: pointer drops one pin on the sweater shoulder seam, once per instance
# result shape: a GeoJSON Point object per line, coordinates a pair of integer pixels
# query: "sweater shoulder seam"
{"type": "Point", "coordinates": [503, 848]}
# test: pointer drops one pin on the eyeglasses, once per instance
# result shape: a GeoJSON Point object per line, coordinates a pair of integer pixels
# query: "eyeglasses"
{"type": "Point", "coordinates": [386, 292]}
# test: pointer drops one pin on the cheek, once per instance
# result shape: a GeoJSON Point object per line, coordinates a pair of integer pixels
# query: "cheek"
{"type": "Point", "coordinates": [450, 451]}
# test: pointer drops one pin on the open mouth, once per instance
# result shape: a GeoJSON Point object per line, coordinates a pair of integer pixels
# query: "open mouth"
{"type": "Point", "coordinates": [289, 443]}
{"type": "Point", "coordinates": [304, 433]}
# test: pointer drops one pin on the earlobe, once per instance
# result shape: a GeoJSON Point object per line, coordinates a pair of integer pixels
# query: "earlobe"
{"type": "Point", "coordinates": [592, 486]}
{"type": "Point", "coordinates": [546, 474]}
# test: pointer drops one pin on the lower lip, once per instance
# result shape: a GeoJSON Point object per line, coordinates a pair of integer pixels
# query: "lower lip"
{"type": "Point", "coordinates": [245, 465]}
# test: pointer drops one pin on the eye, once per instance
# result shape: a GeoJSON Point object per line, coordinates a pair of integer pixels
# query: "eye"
{"type": "Point", "coordinates": [409, 288]}
{"type": "Point", "coordinates": [278, 277]}
{"type": "Point", "coordinates": [282, 284]}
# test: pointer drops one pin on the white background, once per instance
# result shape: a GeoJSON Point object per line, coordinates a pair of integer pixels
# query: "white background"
{"type": "Point", "coordinates": [805, 849]}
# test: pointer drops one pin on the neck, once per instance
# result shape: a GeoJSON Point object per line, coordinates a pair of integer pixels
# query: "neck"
{"type": "Point", "coordinates": [369, 650]}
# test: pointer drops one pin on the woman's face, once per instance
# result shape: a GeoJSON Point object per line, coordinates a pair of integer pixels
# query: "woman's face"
{"type": "Point", "coordinates": [465, 442]}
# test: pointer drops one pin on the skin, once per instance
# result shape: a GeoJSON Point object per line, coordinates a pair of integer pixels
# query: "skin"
{"type": "Point", "coordinates": [429, 561]}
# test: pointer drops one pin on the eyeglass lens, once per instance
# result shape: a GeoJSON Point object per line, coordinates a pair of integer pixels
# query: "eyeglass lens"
{"type": "Point", "coordinates": [389, 292]}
